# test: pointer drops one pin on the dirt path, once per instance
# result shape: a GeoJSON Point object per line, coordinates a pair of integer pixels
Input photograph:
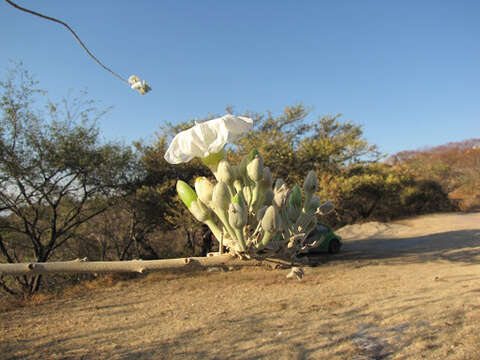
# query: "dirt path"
{"type": "Point", "coordinates": [405, 290]}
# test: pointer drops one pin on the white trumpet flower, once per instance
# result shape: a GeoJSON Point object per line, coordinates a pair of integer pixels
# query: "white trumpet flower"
{"type": "Point", "coordinates": [207, 138]}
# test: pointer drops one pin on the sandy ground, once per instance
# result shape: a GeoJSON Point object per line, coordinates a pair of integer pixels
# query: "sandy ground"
{"type": "Point", "coordinates": [403, 290]}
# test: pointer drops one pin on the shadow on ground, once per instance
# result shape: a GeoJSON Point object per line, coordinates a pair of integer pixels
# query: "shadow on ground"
{"type": "Point", "coordinates": [455, 246]}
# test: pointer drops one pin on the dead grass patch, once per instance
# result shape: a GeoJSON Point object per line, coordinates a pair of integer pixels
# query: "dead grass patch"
{"type": "Point", "coordinates": [407, 304]}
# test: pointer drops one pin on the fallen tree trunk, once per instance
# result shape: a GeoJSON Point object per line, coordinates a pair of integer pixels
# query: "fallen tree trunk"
{"type": "Point", "coordinates": [136, 266]}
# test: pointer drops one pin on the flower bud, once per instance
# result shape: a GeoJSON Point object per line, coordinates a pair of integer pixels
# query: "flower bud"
{"type": "Point", "coordinates": [247, 194]}
{"type": "Point", "coordinates": [280, 195]}
{"type": "Point", "coordinates": [242, 167]}
{"type": "Point", "coordinates": [267, 177]}
{"type": "Point", "coordinates": [271, 220]}
{"type": "Point", "coordinates": [237, 174]}
{"type": "Point", "coordinates": [294, 204]}
{"type": "Point", "coordinates": [200, 210]}
{"type": "Point", "coordinates": [314, 204]}
{"type": "Point", "coordinates": [278, 184]}
{"type": "Point", "coordinates": [295, 198]}
{"type": "Point", "coordinates": [237, 184]}
{"type": "Point", "coordinates": [268, 197]}
{"type": "Point", "coordinates": [326, 208]}
{"type": "Point", "coordinates": [293, 213]}
{"type": "Point", "coordinates": [204, 189]}
{"type": "Point", "coordinates": [261, 212]}
{"type": "Point", "coordinates": [225, 172]}
{"type": "Point", "coordinates": [252, 154]}
{"type": "Point", "coordinates": [310, 184]}
{"type": "Point", "coordinates": [255, 169]}
{"type": "Point", "coordinates": [186, 193]}
{"type": "Point", "coordinates": [239, 199]}
{"type": "Point", "coordinates": [237, 212]}
{"type": "Point", "coordinates": [221, 196]}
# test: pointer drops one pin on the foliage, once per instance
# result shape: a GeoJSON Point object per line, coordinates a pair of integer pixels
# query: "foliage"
{"type": "Point", "coordinates": [291, 147]}
{"type": "Point", "coordinates": [454, 166]}
{"type": "Point", "coordinates": [55, 174]}
{"type": "Point", "coordinates": [380, 192]}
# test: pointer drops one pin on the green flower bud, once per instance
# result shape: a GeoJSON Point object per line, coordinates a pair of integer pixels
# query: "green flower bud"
{"type": "Point", "coordinates": [293, 213]}
{"type": "Point", "coordinates": [255, 169]}
{"type": "Point", "coordinates": [238, 199]}
{"type": "Point", "coordinates": [221, 196]}
{"type": "Point", "coordinates": [252, 154]}
{"type": "Point", "coordinates": [314, 204]}
{"type": "Point", "coordinates": [237, 174]}
{"type": "Point", "coordinates": [237, 212]}
{"type": "Point", "coordinates": [271, 220]}
{"type": "Point", "coordinates": [247, 194]}
{"type": "Point", "coordinates": [186, 193]}
{"type": "Point", "coordinates": [310, 184]}
{"type": "Point", "coordinates": [212, 160]}
{"type": "Point", "coordinates": [267, 177]}
{"type": "Point", "coordinates": [225, 172]}
{"type": "Point", "coordinates": [242, 167]}
{"type": "Point", "coordinates": [278, 184]}
{"type": "Point", "coordinates": [268, 197]}
{"type": "Point", "coordinates": [326, 208]}
{"type": "Point", "coordinates": [261, 213]}
{"type": "Point", "coordinates": [200, 211]}
{"type": "Point", "coordinates": [294, 204]}
{"type": "Point", "coordinates": [204, 189]}
{"type": "Point", "coordinates": [280, 195]}
{"type": "Point", "coordinates": [237, 185]}
{"type": "Point", "coordinates": [295, 198]}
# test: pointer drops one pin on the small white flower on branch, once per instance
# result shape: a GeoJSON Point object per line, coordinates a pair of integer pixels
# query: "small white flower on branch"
{"type": "Point", "coordinates": [140, 85]}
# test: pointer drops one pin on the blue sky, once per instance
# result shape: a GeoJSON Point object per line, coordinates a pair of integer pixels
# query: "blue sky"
{"type": "Point", "coordinates": [407, 71]}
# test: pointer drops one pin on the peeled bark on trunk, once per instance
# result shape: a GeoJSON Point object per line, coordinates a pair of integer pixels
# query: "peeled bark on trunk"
{"type": "Point", "coordinates": [137, 266]}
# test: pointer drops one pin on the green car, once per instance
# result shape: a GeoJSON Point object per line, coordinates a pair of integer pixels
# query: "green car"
{"type": "Point", "coordinates": [322, 239]}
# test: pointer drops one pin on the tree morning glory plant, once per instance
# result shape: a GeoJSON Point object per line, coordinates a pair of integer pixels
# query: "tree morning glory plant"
{"type": "Point", "coordinates": [245, 209]}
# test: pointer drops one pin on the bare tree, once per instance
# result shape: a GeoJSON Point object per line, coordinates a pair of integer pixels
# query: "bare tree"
{"type": "Point", "coordinates": [55, 174]}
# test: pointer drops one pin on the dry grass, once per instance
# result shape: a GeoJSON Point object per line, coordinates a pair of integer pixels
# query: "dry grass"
{"type": "Point", "coordinates": [404, 292]}
{"type": "Point", "coordinates": [10, 303]}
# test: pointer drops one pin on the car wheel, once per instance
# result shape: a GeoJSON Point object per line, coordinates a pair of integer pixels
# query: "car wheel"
{"type": "Point", "coordinates": [334, 246]}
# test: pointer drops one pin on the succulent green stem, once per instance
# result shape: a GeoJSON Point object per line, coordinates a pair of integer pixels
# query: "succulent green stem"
{"type": "Point", "coordinates": [214, 228]}
{"type": "Point", "coordinates": [250, 202]}
{"type": "Point", "coordinates": [286, 224]}
{"type": "Point", "coordinates": [304, 219]}
{"type": "Point", "coordinates": [222, 215]}
{"type": "Point", "coordinates": [255, 195]}
{"type": "Point", "coordinates": [241, 238]}
{"type": "Point", "coordinates": [231, 190]}
{"type": "Point", "coordinates": [266, 238]}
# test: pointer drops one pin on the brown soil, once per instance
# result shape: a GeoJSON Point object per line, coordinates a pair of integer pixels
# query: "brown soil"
{"type": "Point", "coordinates": [403, 290]}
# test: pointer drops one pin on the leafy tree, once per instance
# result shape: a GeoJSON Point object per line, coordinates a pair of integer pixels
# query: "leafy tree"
{"type": "Point", "coordinates": [292, 147]}
{"type": "Point", "coordinates": [334, 144]}
{"type": "Point", "coordinates": [153, 205]}
{"type": "Point", "coordinates": [53, 171]}
{"type": "Point", "coordinates": [381, 192]}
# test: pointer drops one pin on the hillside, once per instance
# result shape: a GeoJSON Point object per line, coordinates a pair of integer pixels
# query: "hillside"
{"type": "Point", "coordinates": [454, 166]}
{"type": "Point", "coordinates": [403, 290]}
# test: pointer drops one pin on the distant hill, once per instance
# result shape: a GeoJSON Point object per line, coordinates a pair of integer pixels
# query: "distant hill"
{"type": "Point", "coordinates": [456, 145]}
{"type": "Point", "coordinates": [455, 166]}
